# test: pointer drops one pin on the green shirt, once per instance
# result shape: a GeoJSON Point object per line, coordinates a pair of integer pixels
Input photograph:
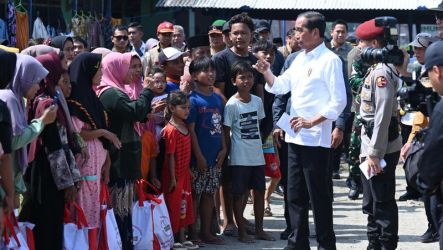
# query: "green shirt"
{"type": "Point", "coordinates": [123, 113]}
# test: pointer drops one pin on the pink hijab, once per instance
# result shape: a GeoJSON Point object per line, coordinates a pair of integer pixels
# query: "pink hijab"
{"type": "Point", "coordinates": [115, 67]}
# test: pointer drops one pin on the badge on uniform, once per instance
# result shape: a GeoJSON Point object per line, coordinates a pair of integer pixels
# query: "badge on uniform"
{"type": "Point", "coordinates": [381, 81]}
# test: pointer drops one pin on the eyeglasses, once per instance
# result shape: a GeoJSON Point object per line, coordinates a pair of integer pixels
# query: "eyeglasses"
{"type": "Point", "coordinates": [120, 38]}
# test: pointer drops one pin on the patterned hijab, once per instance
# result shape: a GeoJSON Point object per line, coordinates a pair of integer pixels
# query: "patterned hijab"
{"type": "Point", "coordinates": [28, 71]}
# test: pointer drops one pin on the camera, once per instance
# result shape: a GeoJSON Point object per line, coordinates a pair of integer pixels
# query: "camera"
{"type": "Point", "coordinates": [390, 53]}
{"type": "Point", "coordinates": [417, 97]}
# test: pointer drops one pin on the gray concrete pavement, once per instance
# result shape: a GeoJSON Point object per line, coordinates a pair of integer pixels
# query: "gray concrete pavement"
{"type": "Point", "coordinates": [349, 222]}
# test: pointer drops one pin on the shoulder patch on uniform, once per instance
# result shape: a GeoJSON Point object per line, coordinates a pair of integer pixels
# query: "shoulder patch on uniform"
{"type": "Point", "coordinates": [381, 81]}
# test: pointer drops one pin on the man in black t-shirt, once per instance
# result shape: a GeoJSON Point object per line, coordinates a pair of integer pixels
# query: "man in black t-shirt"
{"type": "Point", "coordinates": [241, 35]}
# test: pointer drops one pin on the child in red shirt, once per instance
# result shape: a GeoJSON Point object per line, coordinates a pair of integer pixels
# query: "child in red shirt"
{"type": "Point", "coordinates": [176, 179]}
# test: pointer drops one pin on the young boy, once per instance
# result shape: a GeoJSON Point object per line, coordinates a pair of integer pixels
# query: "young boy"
{"type": "Point", "coordinates": [208, 144]}
{"type": "Point", "coordinates": [171, 61]}
{"type": "Point", "coordinates": [242, 116]}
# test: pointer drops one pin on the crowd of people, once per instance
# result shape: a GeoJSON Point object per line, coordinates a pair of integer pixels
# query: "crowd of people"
{"type": "Point", "coordinates": [207, 119]}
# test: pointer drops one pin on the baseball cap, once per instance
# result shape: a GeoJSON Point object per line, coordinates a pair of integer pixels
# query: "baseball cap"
{"type": "Point", "coordinates": [165, 27]}
{"type": "Point", "coordinates": [368, 30]}
{"type": "Point", "coordinates": [423, 40]}
{"type": "Point", "coordinates": [226, 28]}
{"type": "Point", "coordinates": [169, 54]}
{"type": "Point", "coordinates": [262, 25]}
{"type": "Point", "coordinates": [216, 27]}
{"type": "Point", "coordinates": [434, 55]}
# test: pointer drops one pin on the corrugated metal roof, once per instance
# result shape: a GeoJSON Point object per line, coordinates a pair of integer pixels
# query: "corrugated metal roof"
{"type": "Point", "coordinates": [304, 4]}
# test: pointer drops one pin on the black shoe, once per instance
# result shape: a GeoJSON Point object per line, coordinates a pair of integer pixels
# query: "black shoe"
{"type": "Point", "coordinates": [408, 196]}
{"type": "Point", "coordinates": [336, 175]}
{"type": "Point", "coordinates": [279, 190]}
{"type": "Point", "coordinates": [285, 234]}
{"type": "Point", "coordinates": [353, 194]}
{"type": "Point", "coordinates": [429, 236]}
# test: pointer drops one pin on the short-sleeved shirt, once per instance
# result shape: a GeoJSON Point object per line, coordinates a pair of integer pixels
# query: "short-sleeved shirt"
{"type": "Point", "coordinates": [244, 119]}
{"type": "Point", "coordinates": [207, 114]}
{"type": "Point", "coordinates": [179, 145]}
{"type": "Point", "coordinates": [5, 128]}
{"type": "Point", "coordinates": [223, 61]}
{"type": "Point", "coordinates": [171, 87]}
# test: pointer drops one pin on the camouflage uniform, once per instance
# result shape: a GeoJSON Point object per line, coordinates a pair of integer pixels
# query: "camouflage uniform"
{"type": "Point", "coordinates": [359, 70]}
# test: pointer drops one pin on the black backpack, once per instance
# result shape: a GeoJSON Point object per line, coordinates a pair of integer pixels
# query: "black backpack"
{"type": "Point", "coordinates": [411, 163]}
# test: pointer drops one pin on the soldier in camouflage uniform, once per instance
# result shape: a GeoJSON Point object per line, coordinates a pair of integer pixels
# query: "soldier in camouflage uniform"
{"type": "Point", "coordinates": [358, 71]}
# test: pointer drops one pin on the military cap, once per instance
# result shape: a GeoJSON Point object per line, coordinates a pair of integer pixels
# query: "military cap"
{"type": "Point", "coordinates": [368, 30]}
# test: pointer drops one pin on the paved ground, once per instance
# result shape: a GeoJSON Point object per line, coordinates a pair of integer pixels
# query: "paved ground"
{"type": "Point", "coordinates": [349, 223]}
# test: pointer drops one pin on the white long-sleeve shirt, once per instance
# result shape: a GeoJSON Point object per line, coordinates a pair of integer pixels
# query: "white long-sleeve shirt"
{"type": "Point", "coordinates": [315, 80]}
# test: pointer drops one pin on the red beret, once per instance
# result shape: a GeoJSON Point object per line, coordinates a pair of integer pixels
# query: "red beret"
{"type": "Point", "coordinates": [368, 30]}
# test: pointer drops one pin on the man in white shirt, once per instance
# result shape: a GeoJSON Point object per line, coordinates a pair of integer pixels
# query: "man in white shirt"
{"type": "Point", "coordinates": [318, 95]}
{"type": "Point", "coordinates": [135, 32]}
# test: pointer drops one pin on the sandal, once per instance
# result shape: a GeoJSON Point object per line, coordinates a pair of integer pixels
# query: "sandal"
{"type": "Point", "coordinates": [268, 212]}
{"type": "Point", "coordinates": [190, 245]}
{"type": "Point", "coordinates": [178, 246]}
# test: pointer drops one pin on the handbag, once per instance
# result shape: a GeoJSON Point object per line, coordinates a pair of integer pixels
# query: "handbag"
{"type": "Point", "coordinates": [109, 236]}
{"type": "Point", "coordinates": [76, 233]}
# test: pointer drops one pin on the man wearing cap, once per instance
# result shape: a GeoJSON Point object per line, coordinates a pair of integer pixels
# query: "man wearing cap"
{"type": "Point", "coordinates": [164, 35]}
{"type": "Point", "coordinates": [171, 61]}
{"type": "Point", "coordinates": [380, 145]}
{"type": "Point", "coordinates": [135, 32]}
{"type": "Point", "coordinates": [430, 170]}
{"type": "Point", "coordinates": [226, 38]}
{"type": "Point", "coordinates": [421, 42]}
{"type": "Point", "coordinates": [420, 121]}
{"type": "Point", "coordinates": [198, 46]}
{"type": "Point", "coordinates": [216, 36]}
{"type": "Point", "coordinates": [179, 37]}
{"type": "Point", "coordinates": [438, 12]}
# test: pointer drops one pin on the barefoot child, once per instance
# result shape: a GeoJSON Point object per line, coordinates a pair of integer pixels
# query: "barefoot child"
{"type": "Point", "coordinates": [208, 144]}
{"type": "Point", "coordinates": [242, 116]}
{"type": "Point", "coordinates": [176, 181]}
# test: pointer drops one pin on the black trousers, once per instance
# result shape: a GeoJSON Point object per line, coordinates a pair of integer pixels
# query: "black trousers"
{"type": "Point", "coordinates": [309, 179]}
{"type": "Point", "coordinates": [283, 156]}
{"type": "Point", "coordinates": [380, 206]}
{"type": "Point", "coordinates": [431, 203]}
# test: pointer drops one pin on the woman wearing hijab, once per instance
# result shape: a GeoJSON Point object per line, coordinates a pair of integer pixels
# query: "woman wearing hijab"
{"type": "Point", "coordinates": [65, 44]}
{"type": "Point", "coordinates": [25, 84]}
{"type": "Point", "coordinates": [90, 120]}
{"type": "Point", "coordinates": [126, 107]}
{"type": "Point", "coordinates": [55, 177]}
{"type": "Point", "coordinates": [7, 68]}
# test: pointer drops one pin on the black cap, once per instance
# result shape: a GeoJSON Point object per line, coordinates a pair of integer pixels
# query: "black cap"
{"type": "Point", "coordinates": [198, 41]}
{"type": "Point", "coordinates": [226, 28]}
{"type": "Point", "coordinates": [262, 25]}
{"type": "Point", "coordinates": [434, 55]}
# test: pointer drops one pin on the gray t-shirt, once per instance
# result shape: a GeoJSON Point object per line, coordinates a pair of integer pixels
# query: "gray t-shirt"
{"type": "Point", "coordinates": [244, 119]}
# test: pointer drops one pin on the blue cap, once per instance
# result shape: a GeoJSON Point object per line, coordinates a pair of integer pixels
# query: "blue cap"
{"type": "Point", "coordinates": [434, 55]}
